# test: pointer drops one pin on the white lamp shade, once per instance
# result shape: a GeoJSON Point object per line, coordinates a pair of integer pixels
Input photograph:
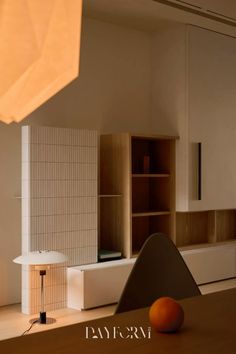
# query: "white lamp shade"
{"type": "Point", "coordinates": [41, 258]}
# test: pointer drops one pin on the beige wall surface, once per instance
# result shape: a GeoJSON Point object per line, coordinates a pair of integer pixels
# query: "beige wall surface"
{"type": "Point", "coordinates": [212, 95]}
{"type": "Point", "coordinates": [112, 94]}
{"type": "Point", "coordinates": [10, 212]}
{"type": "Point", "coordinates": [168, 78]}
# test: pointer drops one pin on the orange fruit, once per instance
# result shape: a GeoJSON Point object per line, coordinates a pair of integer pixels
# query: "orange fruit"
{"type": "Point", "coordinates": [166, 315]}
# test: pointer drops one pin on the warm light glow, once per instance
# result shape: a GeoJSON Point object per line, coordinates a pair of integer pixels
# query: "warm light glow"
{"type": "Point", "coordinates": [39, 52]}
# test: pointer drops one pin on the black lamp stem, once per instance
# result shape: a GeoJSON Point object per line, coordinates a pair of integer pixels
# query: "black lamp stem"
{"type": "Point", "coordinates": [42, 315]}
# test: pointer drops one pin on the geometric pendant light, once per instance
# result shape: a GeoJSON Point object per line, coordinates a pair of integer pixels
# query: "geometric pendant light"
{"type": "Point", "coordinates": [39, 52]}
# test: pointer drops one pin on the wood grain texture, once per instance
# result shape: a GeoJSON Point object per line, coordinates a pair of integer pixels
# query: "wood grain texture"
{"type": "Point", "coordinates": [212, 226]}
{"type": "Point", "coordinates": [225, 225]}
{"type": "Point", "coordinates": [151, 213]}
{"type": "Point", "coordinates": [145, 225]}
{"type": "Point", "coordinates": [115, 178]}
{"type": "Point", "coordinates": [209, 327]}
{"type": "Point", "coordinates": [143, 175]}
{"type": "Point", "coordinates": [172, 192]}
{"type": "Point", "coordinates": [191, 228]}
{"type": "Point", "coordinates": [153, 199]}
{"type": "Point", "coordinates": [151, 195]}
{"type": "Point", "coordinates": [123, 163]}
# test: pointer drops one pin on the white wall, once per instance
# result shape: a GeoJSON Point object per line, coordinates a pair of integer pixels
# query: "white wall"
{"type": "Point", "coordinates": [113, 89]}
{"type": "Point", "coordinates": [168, 95]}
{"type": "Point", "coordinates": [10, 225]}
{"type": "Point", "coordinates": [192, 91]}
{"type": "Point", "coordinates": [112, 93]}
{"type": "Point", "coordinates": [211, 114]}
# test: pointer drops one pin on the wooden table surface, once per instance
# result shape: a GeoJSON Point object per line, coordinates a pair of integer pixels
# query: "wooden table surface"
{"type": "Point", "coordinates": [209, 327]}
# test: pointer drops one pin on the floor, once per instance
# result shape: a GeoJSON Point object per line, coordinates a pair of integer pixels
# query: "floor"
{"type": "Point", "coordinates": [13, 323]}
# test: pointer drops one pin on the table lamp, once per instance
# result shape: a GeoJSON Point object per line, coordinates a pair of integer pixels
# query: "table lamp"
{"type": "Point", "coordinates": [41, 260]}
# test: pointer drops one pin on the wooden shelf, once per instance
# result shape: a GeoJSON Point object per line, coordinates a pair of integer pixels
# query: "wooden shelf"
{"type": "Point", "coordinates": [110, 195]}
{"type": "Point", "coordinates": [154, 137]}
{"type": "Point", "coordinates": [150, 175]}
{"type": "Point", "coordinates": [207, 245]}
{"type": "Point", "coordinates": [142, 170]}
{"type": "Point", "coordinates": [205, 227]}
{"type": "Point", "coordinates": [194, 228]}
{"type": "Point", "coordinates": [146, 224]}
{"type": "Point", "coordinates": [225, 221]}
{"type": "Point", "coordinates": [135, 254]}
{"type": "Point", "coordinates": [151, 213]}
{"type": "Point", "coordinates": [156, 151]}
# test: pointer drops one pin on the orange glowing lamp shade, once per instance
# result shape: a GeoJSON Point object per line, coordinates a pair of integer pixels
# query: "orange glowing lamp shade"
{"type": "Point", "coordinates": [39, 52]}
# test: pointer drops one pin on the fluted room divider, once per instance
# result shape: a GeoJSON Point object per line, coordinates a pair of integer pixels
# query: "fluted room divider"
{"type": "Point", "coordinates": [59, 206]}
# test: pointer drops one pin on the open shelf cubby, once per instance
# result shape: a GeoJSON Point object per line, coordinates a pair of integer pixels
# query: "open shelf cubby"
{"type": "Point", "coordinates": [194, 228]}
{"type": "Point", "coordinates": [144, 226]}
{"type": "Point", "coordinates": [205, 227]}
{"type": "Point", "coordinates": [150, 194]}
{"type": "Point", "coordinates": [110, 223]}
{"type": "Point", "coordinates": [225, 225]}
{"type": "Point", "coordinates": [150, 156]}
{"type": "Point", "coordinates": [141, 169]}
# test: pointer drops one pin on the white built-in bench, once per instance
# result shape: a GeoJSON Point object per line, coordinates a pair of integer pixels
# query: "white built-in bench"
{"type": "Point", "coordinates": [100, 284]}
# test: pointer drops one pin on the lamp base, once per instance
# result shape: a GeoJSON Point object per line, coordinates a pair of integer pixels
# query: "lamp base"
{"type": "Point", "coordinates": [49, 320]}
{"type": "Point", "coordinates": [42, 317]}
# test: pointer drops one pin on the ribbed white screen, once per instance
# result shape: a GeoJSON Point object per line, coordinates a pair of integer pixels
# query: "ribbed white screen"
{"type": "Point", "coordinates": [59, 206]}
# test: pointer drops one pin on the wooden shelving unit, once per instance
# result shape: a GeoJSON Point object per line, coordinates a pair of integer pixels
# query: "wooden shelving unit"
{"type": "Point", "coordinates": [137, 184]}
{"type": "Point", "coordinates": [151, 213]}
{"type": "Point", "coordinates": [145, 175]}
{"type": "Point", "coordinates": [141, 169]}
{"type": "Point", "coordinates": [225, 225]}
{"type": "Point", "coordinates": [195, 228]}
{"type": "Point", "coordinates": [109, 195]}
{"type": "Point", "coordinates": [109, 223]}
{"type": "Point", "coordinates": [205, 227]}
{"type": "Point", "coordinates": [152, 188]}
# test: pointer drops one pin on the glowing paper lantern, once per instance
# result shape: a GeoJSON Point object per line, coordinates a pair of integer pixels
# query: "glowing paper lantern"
{"type": "Point", "coordinates": [39, 52]}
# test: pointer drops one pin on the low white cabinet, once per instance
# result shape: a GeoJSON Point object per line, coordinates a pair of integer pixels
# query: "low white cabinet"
{"type": "Point", "coordinates": [97, 284]}
{"type": "Point", "coordinates": [102, 283]}
{"type": "Point", "coordinates": [211, 263]}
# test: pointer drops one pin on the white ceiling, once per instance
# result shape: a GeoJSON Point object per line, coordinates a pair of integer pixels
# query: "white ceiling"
{"type": "Point", "coordinates": [148, 15]}
{"type": "Point", "coordinates": [140, 14]}
{"type": "Point", "coordinates": [226, 7]}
